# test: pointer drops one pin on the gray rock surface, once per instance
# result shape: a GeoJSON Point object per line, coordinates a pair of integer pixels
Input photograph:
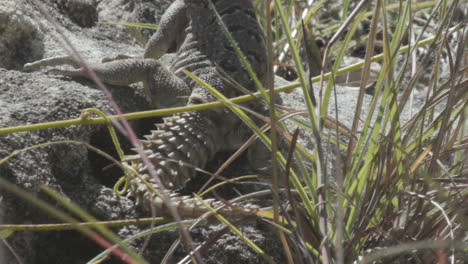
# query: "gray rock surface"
{"type": "Point", "coordinates": [68, 168]}
{"type": "Point", "coordinates": [20, 39]}
{"type": "Point", "coordinates": [135, 11]}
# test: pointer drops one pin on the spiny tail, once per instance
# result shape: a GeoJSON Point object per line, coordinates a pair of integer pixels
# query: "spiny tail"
{"type": "Point", "coordinates": [190, 207]}
{"type": "Point", "coordinates": [182, 143]}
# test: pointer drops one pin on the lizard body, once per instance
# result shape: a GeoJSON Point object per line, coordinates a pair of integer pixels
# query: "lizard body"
{"type": "Point", "coordinates": [204, 50]}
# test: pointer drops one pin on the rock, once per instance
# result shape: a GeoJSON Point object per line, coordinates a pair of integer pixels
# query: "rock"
{"type": "Point", "coordinates": [67, 168]}
{"type": "Point", "coordinates": [135, 11]}
{"type": "Point", "coordinates": [20, 40]}
{"type": "Point", "coordinates": [82, 12]}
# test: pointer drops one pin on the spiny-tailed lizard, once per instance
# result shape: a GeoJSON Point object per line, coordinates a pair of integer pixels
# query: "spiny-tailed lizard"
{"type": "Point", "coordinates": [205, 51]}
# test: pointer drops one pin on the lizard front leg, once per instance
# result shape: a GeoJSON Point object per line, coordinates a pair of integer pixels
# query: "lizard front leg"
{"type": "Point", "coordinates": [171, 30]}
{"type": "Point", "coordinates": [170, 33]}
{"type": "Point", "coordinates": [162, 87]}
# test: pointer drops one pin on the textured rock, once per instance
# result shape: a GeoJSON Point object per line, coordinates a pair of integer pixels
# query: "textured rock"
{"type": "Point", "coordinates": [20, 39]}
{"type": "Point", "coordinates": [67, 168]}
{"type": "Point", "coordinates": [81, 12]}
{"type": "Point", "coordinates": [135, 11]}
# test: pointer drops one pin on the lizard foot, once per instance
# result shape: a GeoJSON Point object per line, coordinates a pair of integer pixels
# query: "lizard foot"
{"type": "Point", "coordinates": [53, 61]}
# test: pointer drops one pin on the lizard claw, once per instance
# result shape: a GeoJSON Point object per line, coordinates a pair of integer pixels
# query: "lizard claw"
{"type": "Point", "coordinates": [32, 66]}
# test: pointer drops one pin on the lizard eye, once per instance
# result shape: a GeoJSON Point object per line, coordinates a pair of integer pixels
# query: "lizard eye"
{"type": "Point", "coordinates": [197, 100]}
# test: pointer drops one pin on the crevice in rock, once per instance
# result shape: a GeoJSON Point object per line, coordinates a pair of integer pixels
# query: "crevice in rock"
{"type": "Point", "coordinates": [104, 170]}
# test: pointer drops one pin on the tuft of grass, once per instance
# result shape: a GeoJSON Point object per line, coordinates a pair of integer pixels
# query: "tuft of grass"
{"type": "Point", "coordinates": [393, 186]}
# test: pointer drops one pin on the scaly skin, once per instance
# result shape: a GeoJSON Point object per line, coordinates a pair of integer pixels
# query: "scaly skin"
{"type": "Point", "coordinates": [180, 144]}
